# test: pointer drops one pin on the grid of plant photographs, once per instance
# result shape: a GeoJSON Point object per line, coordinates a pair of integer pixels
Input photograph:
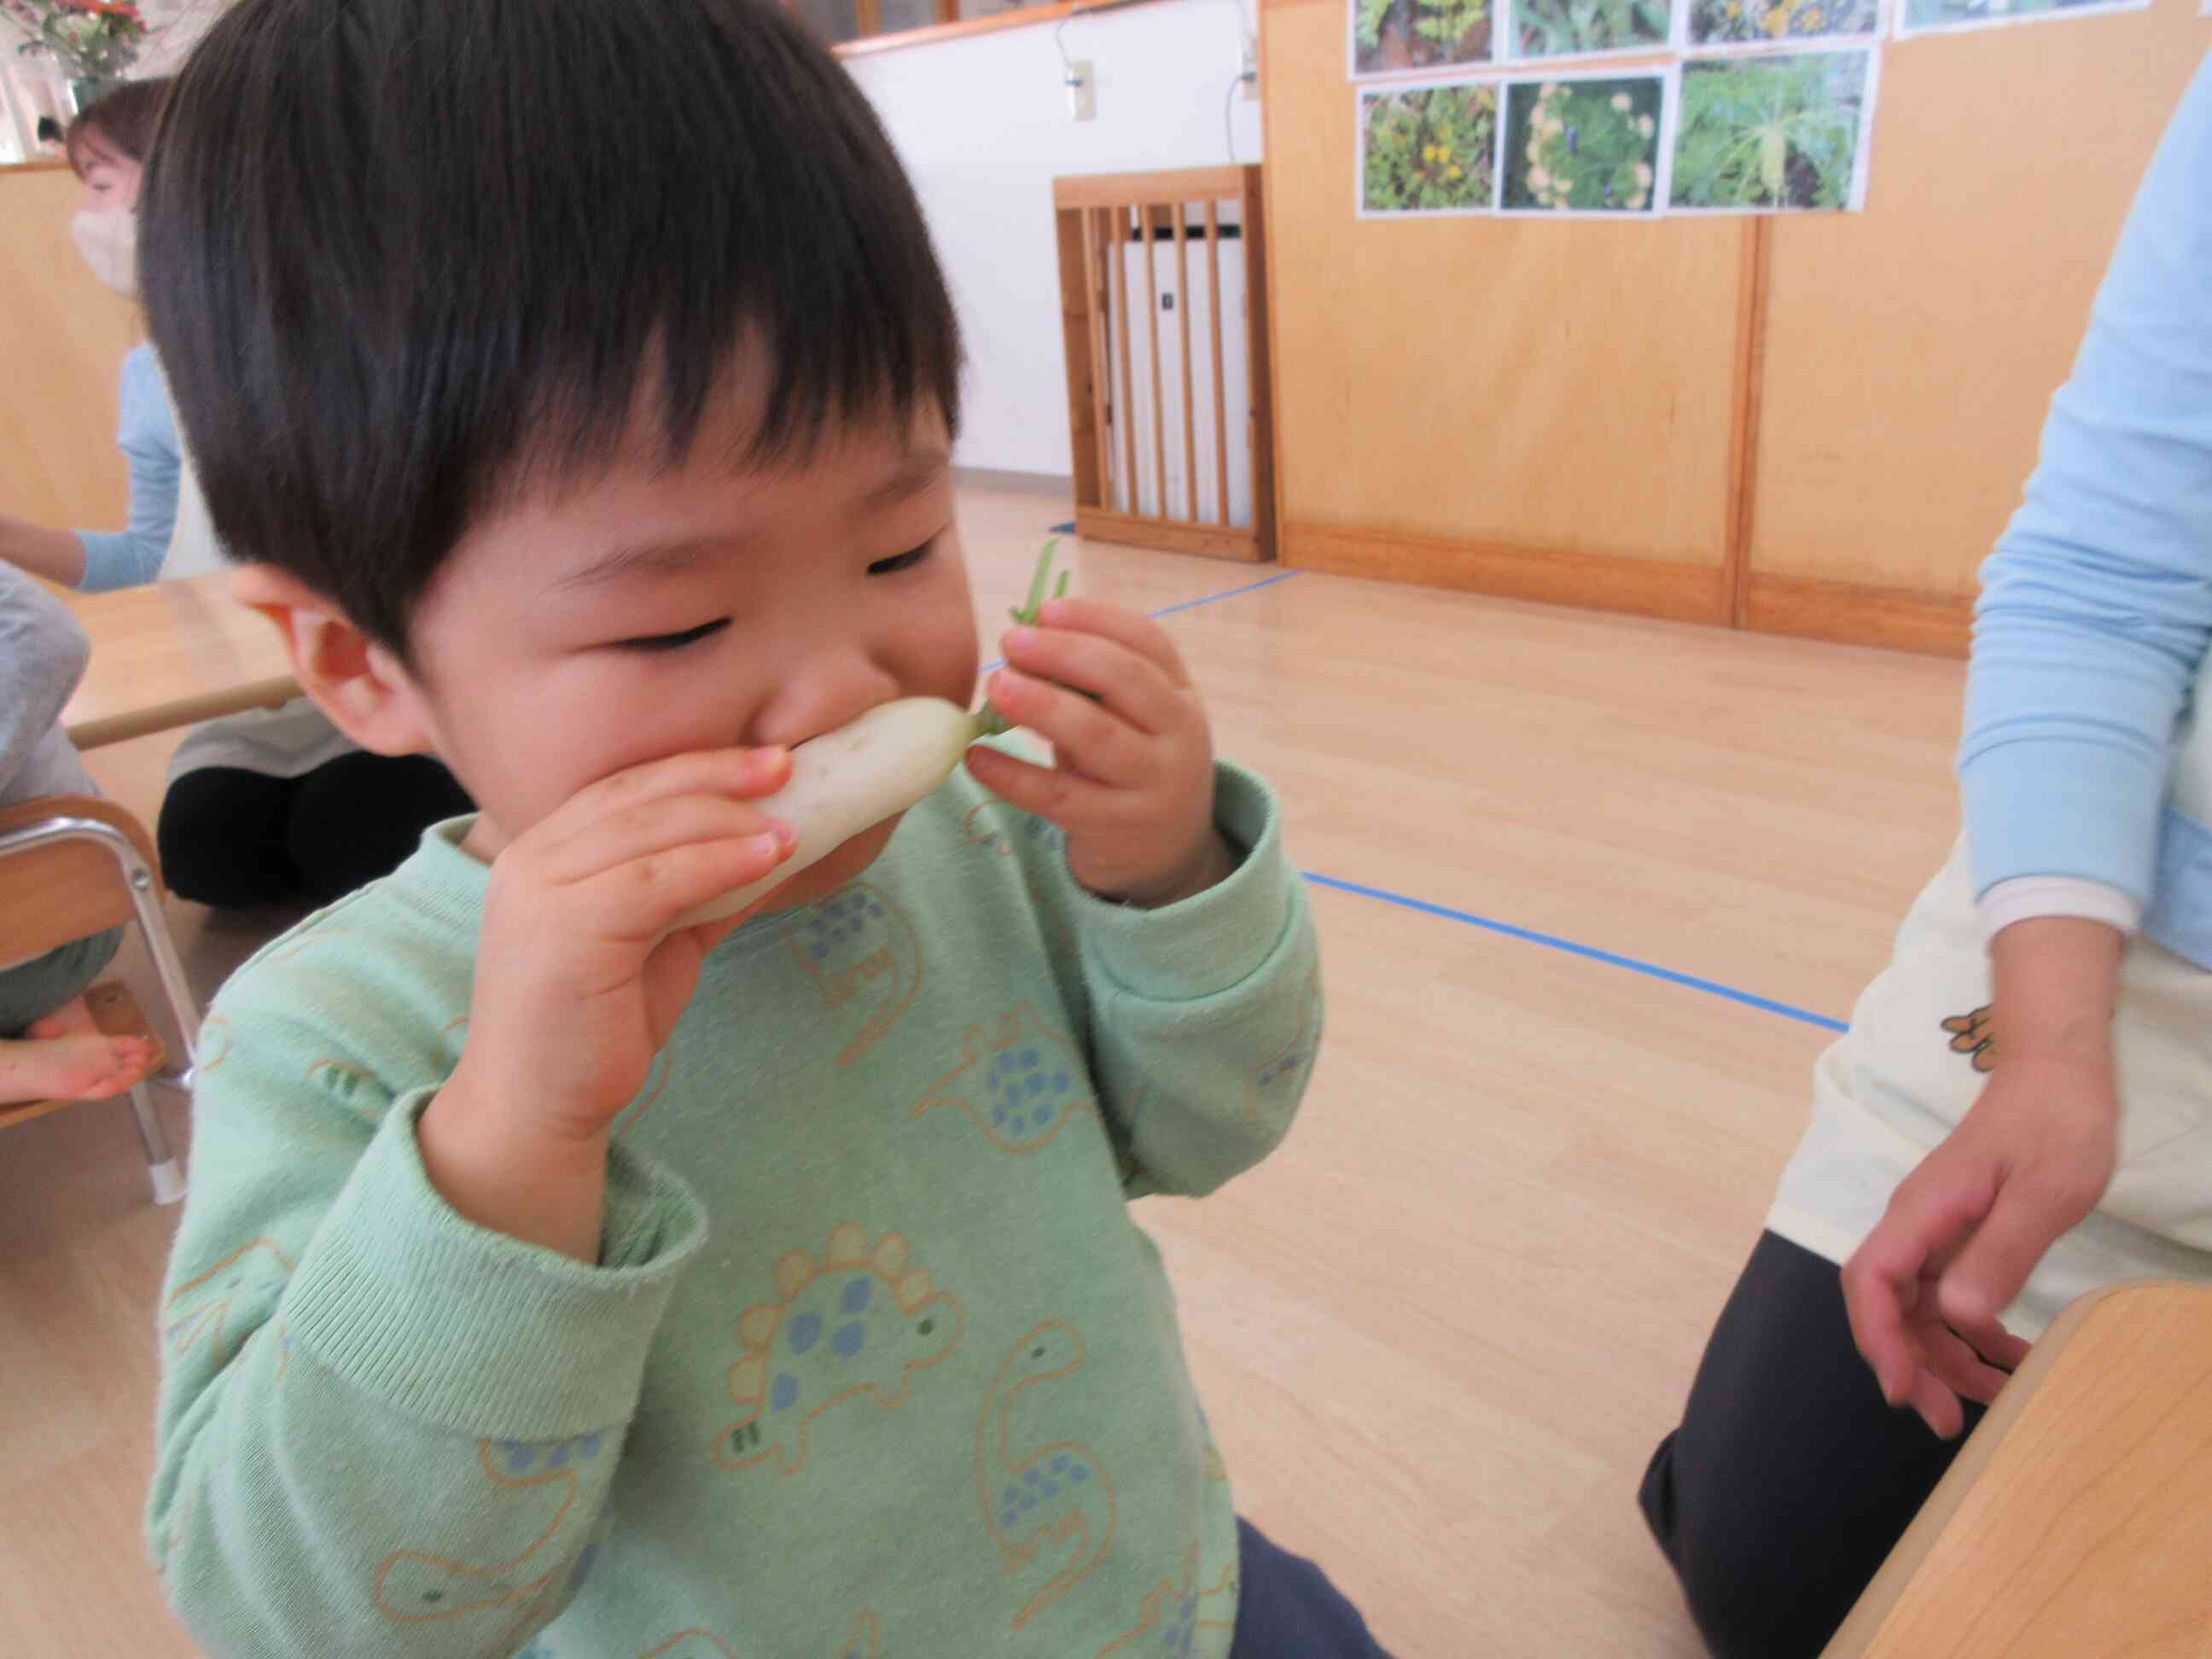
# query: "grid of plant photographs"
{"type": "Point", "coordinates": [1507, 106]}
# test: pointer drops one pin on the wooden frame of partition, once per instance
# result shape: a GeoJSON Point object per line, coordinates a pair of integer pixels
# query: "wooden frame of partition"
{"type": "Point", "coordinates": [1098, 216]}
{"type": "Point", "coordinates": [1733, 595]}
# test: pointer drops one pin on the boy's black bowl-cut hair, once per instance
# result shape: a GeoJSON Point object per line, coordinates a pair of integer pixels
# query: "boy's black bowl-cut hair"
{"type": "Point", "coordinates": [401, 257]}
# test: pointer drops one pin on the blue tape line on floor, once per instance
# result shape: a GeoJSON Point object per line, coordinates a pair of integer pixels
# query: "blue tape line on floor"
{"type": "Point", "coordinates": [1227, 594]}
{"type": "Point", "coordinates": [1611, 959]}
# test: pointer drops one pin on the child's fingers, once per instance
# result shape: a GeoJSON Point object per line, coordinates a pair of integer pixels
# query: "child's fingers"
{"type": "Point", "coordinates": [737, 773]}
{"type": "Point", "coordinates": [647, 828]}
{"type": "Point", "coordinates": [1091, 739]}
{"type": "Point", "coordinates": [1130, 684]}
{"type": "Point", "coordinates": [640, 900]}
{"type": "Point", "coordinates": [1141, 634]}
{"type": "Point", "coordinates": [1066, 798]}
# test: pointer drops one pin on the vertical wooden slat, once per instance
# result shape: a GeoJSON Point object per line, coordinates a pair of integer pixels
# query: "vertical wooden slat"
{"type": "Point", "coordinates": [1183, 308]}
{"type": "Point", "coordinates": [1094, 307]}
{"type": "Point", "coordinates": [1743, 423]}
{"type": "Point", "coordinates": [1152, 332]}
{"type": "Point", "coordinates": [1071, 227]}
{"type": "Point", "coordinates": [1262, 423]}
{"type": "Point", "coordinates": [867, 18]}
{"type": "Point", "coordinates": [1121, 412]}
{"type": "Point", "coordinates": [1220, 394]}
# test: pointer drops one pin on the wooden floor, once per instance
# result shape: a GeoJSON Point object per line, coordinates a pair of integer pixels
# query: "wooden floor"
{"type": "Point", "coordinates": [1439, 1334]}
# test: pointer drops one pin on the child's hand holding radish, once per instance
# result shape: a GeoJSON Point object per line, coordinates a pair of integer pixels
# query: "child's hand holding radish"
{"type": "Point", "coordinates": [1132, 782]}
{"type": "Point", "coordinates": [584, 970]}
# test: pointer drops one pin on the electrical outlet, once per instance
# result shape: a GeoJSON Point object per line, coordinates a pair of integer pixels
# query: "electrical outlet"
{"type": "Point", "coordinates": [1248, 68]}
{"type": "Point", "coordinates": [1082, 92]}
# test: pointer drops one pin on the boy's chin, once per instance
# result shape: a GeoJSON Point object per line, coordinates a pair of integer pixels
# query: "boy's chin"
{"type": "Point", "coordinates": [826, 875]}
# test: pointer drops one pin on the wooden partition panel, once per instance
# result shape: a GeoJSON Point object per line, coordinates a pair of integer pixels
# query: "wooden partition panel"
{"type": "Point", "coordinates": [1911, 349]}
{"type": "Point", "coordinates": [1533, 409]}
{"type": "Point", "coordinates": [1812, 424]}
{"type": "Point", "coordinates": [62, 337]}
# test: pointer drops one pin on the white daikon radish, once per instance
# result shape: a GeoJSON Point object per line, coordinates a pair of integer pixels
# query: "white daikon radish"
{"type": "Point", "coordinates": [852, 779]}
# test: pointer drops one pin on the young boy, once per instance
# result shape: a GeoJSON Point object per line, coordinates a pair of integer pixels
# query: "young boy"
{"type": "Point", "coordinates": [576, 382]}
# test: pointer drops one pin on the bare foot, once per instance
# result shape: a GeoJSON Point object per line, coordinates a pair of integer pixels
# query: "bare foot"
{"type": "Point", "coordinates": [72, 1019]}
{"type": "Point", "coordinates": [77, 1066]}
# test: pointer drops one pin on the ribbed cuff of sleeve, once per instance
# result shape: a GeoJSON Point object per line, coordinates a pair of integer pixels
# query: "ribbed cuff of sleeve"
{"type": "Point", "coordinates": [1204, 944]}
{"type": "Point", "coordinates": [471, 1330]}
{"type": "Point", "coordinates": [2025, 899]}
{"type": "Point", "coordinates": [2062, 808]}
{"type": "Point", "coordinates": [108, 560]}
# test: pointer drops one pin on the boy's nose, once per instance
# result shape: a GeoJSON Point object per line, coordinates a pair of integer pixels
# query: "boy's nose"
{"type": "Point", "coordinates": [820, 695]}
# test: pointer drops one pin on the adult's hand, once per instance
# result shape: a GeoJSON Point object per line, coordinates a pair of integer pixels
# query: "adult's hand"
{"type": "Point", "coordinates": [1966, 1229]}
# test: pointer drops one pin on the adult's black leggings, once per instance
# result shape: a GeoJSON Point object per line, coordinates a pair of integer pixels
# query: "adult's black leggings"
{"type": "Point", "coordinates": [1791, 1478]}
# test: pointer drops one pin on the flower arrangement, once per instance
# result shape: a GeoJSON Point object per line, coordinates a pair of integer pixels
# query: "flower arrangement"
{"type": "Point", "coordinates": [95, 41]}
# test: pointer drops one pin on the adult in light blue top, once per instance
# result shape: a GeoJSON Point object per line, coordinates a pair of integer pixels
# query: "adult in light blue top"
{"type": "Point", "coordinates": [146, 433]}
{"type": "Point", "coordinates": [2022, 1110]}
{"type": "Point", "coordinates": [107, 147]}
{"type": "Point", "coordinates": [2096, 610]}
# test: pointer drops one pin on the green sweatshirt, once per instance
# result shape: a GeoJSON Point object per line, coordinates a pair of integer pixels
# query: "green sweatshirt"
{"type": "Point", "coordinates": [875, 1362]}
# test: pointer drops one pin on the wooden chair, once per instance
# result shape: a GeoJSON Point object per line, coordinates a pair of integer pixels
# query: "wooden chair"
{"type": "Point", "coordinates": [2077, 1520]}
{"type": "Point", "coordinates": [71, 866]}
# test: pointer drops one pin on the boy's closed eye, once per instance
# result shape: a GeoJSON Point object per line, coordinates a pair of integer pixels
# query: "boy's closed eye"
{"type": "Point", "coordinates": [652, 642]}
{"type": "Point", "coordinates": [898, 561]}
{"type": "Point", "coordinates": [674, 641]}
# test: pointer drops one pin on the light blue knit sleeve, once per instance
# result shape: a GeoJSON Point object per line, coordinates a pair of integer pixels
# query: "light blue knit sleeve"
{"type": "Point", "coordinates": [2096, 609]}
{"type": "Point", "coordinates": [146, 431]}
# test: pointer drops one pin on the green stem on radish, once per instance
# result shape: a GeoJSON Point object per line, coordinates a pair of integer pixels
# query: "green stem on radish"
{"type": "Point", "coordinates": [989, 722]}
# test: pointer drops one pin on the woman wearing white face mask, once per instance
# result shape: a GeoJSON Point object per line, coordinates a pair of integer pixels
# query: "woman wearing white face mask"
{"type": "Point", "coordinates": [107, 147]}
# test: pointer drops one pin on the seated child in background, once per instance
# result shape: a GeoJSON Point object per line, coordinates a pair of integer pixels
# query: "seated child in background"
{"type": "Point", "coordinates": [553, 1273]}
{"type": "Point", "coordinates": [278, 806]}
{"type": "Point", "coordinates": [49, 1047]}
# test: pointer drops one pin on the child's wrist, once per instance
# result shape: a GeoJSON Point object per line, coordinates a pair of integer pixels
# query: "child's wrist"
{"type": "Point", "coordinates": [511, 1176]}
{"type": "Point", "coordinates": [1214, 863]}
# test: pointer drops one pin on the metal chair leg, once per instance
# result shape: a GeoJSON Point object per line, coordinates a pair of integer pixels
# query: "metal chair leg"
{"type": "Point", "coordinates": [169, 1177]}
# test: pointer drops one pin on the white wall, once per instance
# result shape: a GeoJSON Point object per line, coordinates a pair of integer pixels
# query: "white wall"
{"type": "Point", "coordinates": [983, 127]}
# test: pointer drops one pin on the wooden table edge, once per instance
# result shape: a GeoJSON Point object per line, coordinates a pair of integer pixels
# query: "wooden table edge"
{"type": "Point", "coordinates": [98, 731]}
{"type": "Point", "coordinates": [1859, 1632]}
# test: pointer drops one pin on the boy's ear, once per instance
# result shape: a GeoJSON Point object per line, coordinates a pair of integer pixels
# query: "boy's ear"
{"type": "Point", "coordinates": [365, 689]}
